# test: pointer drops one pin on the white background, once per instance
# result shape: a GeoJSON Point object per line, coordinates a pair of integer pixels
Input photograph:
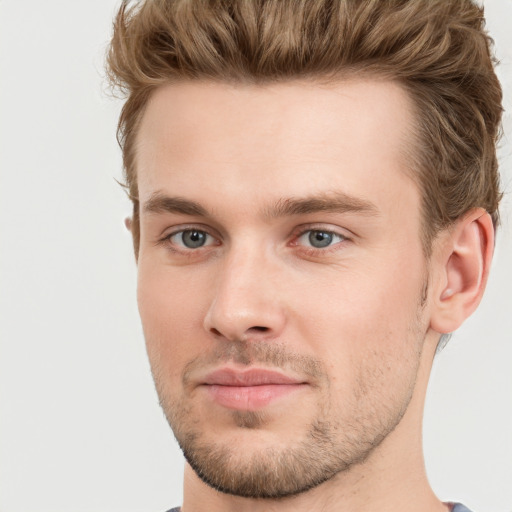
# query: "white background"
{"type": "Point", "coordinates": [79, 422]}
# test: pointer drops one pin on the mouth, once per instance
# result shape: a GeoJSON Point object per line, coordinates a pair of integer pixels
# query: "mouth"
{"type": "Point", "coordinates": [251, 389]}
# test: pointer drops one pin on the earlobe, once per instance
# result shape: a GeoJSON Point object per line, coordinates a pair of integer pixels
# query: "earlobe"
{"type": "Point", "coordinates": [464, 261]}
{"type": "Point", "coordinates": [128, 223]}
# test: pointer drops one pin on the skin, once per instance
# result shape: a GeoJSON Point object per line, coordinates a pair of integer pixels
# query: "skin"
{"type": "Point", "coordinates": [356, 322]}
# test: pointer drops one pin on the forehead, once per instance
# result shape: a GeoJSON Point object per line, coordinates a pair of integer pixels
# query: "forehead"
{"type": "Point", "coordinates": [204, 140]}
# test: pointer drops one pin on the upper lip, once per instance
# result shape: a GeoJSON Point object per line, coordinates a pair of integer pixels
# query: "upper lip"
{"type": "Point", "coordinates": [246, 378]}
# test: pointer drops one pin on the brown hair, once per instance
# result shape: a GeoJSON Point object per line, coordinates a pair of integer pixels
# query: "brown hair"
{"type": "Point", "coordinates": [437, 49]}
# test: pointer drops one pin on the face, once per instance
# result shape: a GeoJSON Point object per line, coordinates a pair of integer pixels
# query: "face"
{"type": "Point", "coordinates": [280, 276]}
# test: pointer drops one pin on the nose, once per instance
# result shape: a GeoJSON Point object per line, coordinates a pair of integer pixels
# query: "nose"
{"type": "Point", "coordinates": [246, 304]}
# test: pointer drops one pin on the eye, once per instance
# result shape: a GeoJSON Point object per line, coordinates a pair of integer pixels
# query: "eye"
{"type": "Point", "coordinates": [319, 239]}
{"type": "Point", "coordinates": [191, 239]}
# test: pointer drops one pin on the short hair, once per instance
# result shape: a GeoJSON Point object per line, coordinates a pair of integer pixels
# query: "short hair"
{"type": "Point", "coordinates": [438, 50]}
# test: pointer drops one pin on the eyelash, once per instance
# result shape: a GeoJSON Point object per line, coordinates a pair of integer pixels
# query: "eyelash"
{"type": "Point", "coordinates": [297, 235]}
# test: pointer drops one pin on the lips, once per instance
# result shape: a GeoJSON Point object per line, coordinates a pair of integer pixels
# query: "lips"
{"type": "Point", "coordinates": [251, 389]}
{"type": "Point", "coordinates": [252, 377]}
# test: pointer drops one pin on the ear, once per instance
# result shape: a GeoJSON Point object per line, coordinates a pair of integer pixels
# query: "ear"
{"type": "Point", "coordinates": [464, 259]}
{"type": "Point", "coordinates": [128, 223]}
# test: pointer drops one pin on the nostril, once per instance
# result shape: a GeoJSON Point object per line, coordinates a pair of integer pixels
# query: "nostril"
{"type": "Point", "coordinates": [259, 328]}
{"type": "Point", "coordinates": [254, 329]}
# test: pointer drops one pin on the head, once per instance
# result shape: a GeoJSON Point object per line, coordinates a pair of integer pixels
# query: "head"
{"type": "Point", "coordinates": [302, 174]}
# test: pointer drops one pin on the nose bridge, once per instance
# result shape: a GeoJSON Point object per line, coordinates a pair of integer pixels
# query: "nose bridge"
{"type": "Point", "coordinates": [245, 303]}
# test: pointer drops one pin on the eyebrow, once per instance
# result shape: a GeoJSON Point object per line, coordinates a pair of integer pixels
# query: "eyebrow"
{"type": "Point", "coordinates": [160, 203]}
{"type": "Point", "coordinates": [335, 202]}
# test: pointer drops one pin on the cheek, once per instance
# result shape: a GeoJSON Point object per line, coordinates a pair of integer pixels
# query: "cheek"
{"type": "Point", "coordinates": [171, 312]}
{"type": "Point", "coordinates": [370, 341]}
{"type": "Point", "coordinates": [364, 315]}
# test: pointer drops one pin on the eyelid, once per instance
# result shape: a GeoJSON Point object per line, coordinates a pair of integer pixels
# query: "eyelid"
{"type": "Point", "coordinates": [327, 228]}
{"type": "Point", "coordinates": [170, 230]}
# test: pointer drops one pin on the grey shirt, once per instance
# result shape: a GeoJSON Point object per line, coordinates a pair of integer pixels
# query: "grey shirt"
{"type": "Point", "coordinates": [460, 508]}
{"type": "Point", "coordinates": [457, 507]}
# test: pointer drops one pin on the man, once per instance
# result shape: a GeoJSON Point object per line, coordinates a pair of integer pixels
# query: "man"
{"type": "Point", "coordinates": [315, 196]}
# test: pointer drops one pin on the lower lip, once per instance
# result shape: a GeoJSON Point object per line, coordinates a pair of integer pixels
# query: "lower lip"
{"type": "Point", "coordinates": [250, 397]}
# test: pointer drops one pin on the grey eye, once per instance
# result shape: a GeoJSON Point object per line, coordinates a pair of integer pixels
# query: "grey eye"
{"type": "Point", "coordinates": [320, 239]}
{"type": "Point", "coordinates": [192, 238]}
{"type": "Point", "coordinates": [188, 239]}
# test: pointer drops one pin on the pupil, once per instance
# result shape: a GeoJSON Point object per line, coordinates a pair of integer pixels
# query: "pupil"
{"type": "Point", "coordinates": [193, 239]}
{"type": "Point", "coordinates": [320, 238]}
